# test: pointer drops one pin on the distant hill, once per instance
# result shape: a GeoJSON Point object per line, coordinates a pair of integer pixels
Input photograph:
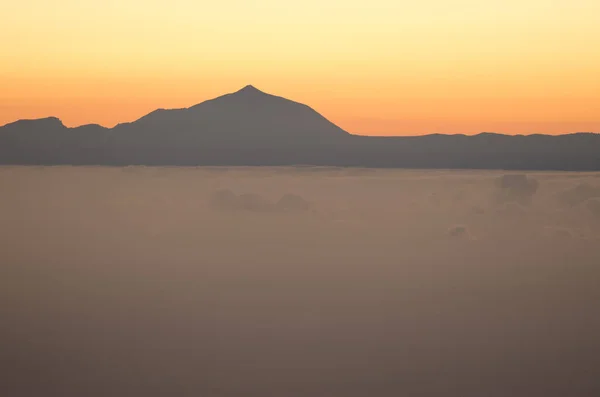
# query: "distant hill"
{"type": "Point", "coordinates": [250, 127]}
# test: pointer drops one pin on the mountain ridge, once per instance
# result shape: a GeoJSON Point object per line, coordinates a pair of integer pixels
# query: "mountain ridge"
{"type": "Point", "coordinates": [251, 127]}
{"type": "Point", "coordinates": [253, 89]}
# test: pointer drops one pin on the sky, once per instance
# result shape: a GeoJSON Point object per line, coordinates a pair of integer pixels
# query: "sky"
{"type": "Point", "coordinates": [377, 67]}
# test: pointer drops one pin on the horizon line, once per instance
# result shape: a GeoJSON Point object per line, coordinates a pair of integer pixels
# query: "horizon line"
{"type": "Point", "coordinates": [252, 88]}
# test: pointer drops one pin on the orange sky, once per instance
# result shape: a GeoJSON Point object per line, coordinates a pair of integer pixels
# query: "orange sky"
{"type": "Point", "coordinates": [384, 67]}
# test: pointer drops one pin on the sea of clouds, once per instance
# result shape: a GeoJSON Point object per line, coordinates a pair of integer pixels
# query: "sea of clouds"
{"type": "Point", "coordinates": [298, 281]}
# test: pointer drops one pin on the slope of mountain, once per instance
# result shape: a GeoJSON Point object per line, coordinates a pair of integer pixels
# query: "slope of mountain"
{"type": "Point", "coordinates": [250, 127]}
{"type": "Point", "coordinates": [248, 114]}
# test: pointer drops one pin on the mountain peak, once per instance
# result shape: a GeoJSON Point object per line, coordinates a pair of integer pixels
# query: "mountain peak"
{"type": "Point", "coordinates": [249, 89]}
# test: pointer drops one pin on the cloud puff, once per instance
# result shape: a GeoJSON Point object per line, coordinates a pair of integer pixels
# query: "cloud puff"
{"type": "Point", "coordinates": [593, 206]}
{"type": "Point", "coordinates": [255, 203]}
{"type": "Point", "coordinates": [459, 231]}
{"type": "Point", "coordinates": [224, 199]}
{"type": "Point", "coordinates": [293, 203]}
{"type": "Point", "coordinates": [517, 188]}
{"type": "Point", "coordinates": [578, 194]}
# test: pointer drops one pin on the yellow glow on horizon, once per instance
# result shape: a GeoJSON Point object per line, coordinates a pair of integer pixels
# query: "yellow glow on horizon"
{"type": "Point", "coordinates": [377, 67]}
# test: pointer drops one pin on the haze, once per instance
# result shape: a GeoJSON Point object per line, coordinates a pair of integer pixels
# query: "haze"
{"type": "Point", "coordinates": [299, 281]}
{"type": "Point", "coordinates": [378, 68]}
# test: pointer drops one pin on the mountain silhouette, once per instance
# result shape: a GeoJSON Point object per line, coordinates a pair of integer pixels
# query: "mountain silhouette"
{"type": "Point", "coordinates": [248, 114]}
{"type": "Point", "coordinates": [250, 127]}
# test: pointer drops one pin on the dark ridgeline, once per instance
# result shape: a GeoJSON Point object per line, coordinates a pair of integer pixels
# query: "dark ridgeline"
{"type": "Point", "coordinates": [250, 127]}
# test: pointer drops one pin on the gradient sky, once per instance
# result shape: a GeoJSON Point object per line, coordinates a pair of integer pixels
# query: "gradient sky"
{"type": "Point", "coordinates": [382, 67]}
